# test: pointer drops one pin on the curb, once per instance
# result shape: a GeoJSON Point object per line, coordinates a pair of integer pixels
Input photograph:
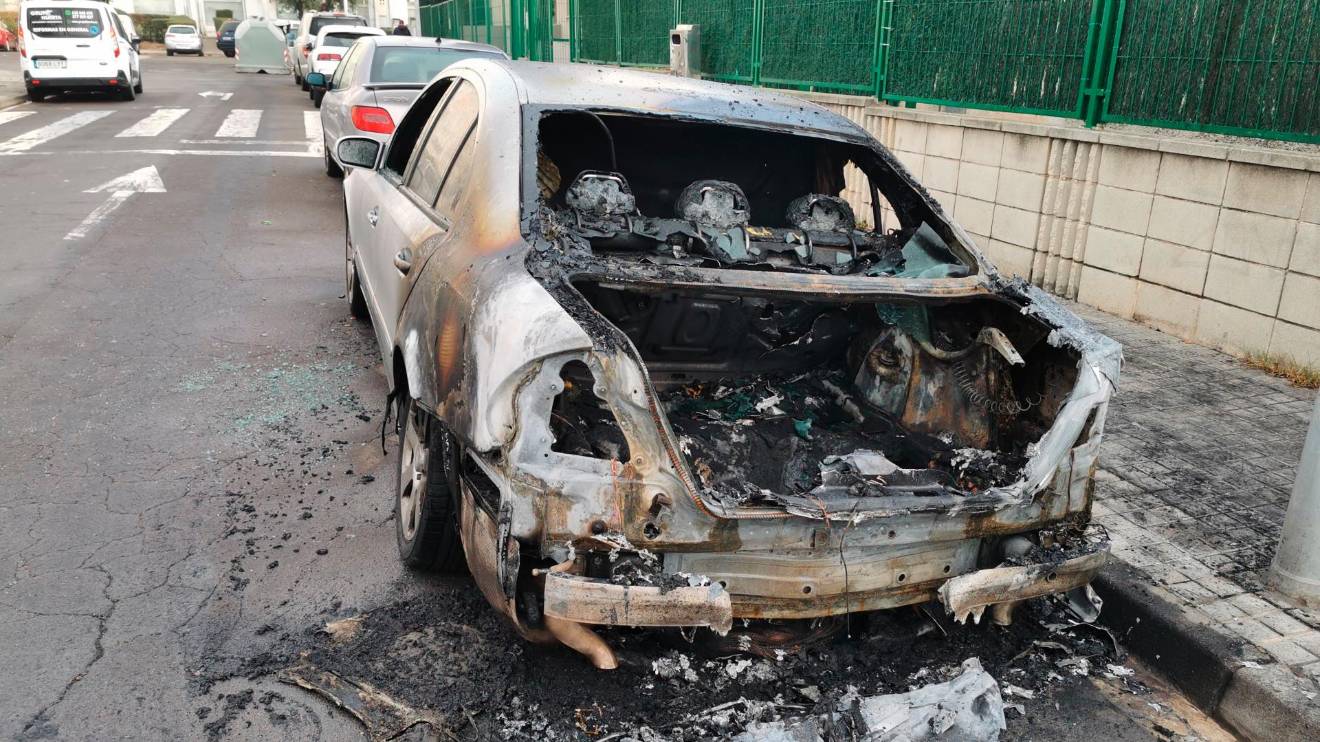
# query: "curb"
{"type": "Point", "coordinates": [1261, 702]}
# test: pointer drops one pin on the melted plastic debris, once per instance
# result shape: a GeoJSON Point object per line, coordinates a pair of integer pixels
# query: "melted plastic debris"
{"type": "Point", "coordinates": [1101, 351]}
{"type": "Point", "coordinates": [966, 707]}
{"type": "Point", "coordinates": [756, 440]}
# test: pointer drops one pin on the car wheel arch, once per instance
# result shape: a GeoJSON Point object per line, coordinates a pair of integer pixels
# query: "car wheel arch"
{"type": "Point", "coordinates": [398, 372]}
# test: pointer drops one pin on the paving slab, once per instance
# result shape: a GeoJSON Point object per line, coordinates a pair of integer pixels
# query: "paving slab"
{"type": "Point", "coordinates": [1195, 472]}
{"type": "Point", "coordinates": [11, 81]}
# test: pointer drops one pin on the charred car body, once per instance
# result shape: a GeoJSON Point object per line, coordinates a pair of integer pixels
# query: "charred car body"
{"type": "Point", "coordinates": [654, 371]}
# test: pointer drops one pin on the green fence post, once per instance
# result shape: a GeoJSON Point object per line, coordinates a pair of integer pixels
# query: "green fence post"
{"type": "Point", "coordinates": [1088, 55]}
{"type": "Point", "coordinates": [1111, 61]}
{"type": "Point", "coordinates": [1096, 89]}
{"type": "Point", "coordinates": [572, 31]}
{"type": "Point", "coordinates": [882, 10]}
{"type": "Point", "coordinates": [758, 16]}
{"type": "Point", "coordinates": [618, 33]}
{"type": "Point", "coordinates": [517, 27]}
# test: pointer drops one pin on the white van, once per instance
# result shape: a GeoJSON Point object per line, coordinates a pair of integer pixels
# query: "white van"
{"type": "Point", "coordinates": [311, 25]}
{"type": "Point", "coordinates": [67, 45]}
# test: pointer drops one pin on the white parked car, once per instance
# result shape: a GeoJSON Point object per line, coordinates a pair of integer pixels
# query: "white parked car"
{"type": "Point", "coordinates": [332, 43]}
{"type": "Point", "coordinates": [377, 81]}
{"type": "Point", "coordinates": [308, 28]}
{"type": "Point", "coordinates": [133, 38]}
{"type": "Point", "coordinates": [81, 45]}
{"type": "Point", "coordinates": [183, 39]}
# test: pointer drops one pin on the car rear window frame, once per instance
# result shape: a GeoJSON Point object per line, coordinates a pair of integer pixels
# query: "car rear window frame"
{"type": "Point", "coordinates": [384, 52]}
{"type": "Point", "coordinates": [319, 22]}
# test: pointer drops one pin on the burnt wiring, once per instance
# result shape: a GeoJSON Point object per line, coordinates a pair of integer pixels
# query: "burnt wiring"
{"type": "Point", "coordinates": [843, 558]}
{"type": "Point", "coordinates": [1009, 407]}
{"type": "Point", "coordinates": [609, 139]}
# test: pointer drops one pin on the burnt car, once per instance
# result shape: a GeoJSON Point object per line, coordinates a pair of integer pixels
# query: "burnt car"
{"type": "Point", "coordinates": [651, 369]}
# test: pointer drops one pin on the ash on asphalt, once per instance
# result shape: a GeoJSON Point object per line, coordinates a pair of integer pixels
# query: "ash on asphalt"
{"type": "Point", "coordinates": [449, 653]}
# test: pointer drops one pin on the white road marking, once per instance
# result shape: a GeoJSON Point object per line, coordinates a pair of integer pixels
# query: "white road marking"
{"type": "Point", "coordinates": [41, 135]}
{"type": "Point", "coordinates": [203, 152]}
{"type": "Point", "coordinates": [289, 142]}
{"type": "Point", "coordinates": [241, 122]}
{"type": "Point", "coordinates": [315, 136]}
{"type": "Point", "coordinates": [7, 116]}
{"type": "Point", "coordinates": [154, 124]}
{"type": "Point", "coordinates": [216, 94]}
{"type": "Point", "coordinates": [142, 180]}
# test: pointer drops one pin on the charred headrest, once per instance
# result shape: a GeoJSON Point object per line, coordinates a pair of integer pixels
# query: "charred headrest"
{"type": "Point", "coordinates": [600, 194]}
{"type": "Point", "coordinates": [820, 213]}
{"type": "Point", "coordinates": [713, 203]}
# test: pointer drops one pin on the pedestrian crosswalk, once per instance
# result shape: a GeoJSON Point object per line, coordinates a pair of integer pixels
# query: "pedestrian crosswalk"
{"type": "Point", "coordinates": [42, 134]}
{"type": "Point", "coordinates": [36, 131]}
{"type": "Point", "coordinates": [155, 124]}
{"type": "Point", "coordinates": [241, 122]}
{"type": "Point", "coordinates": [7, 116]}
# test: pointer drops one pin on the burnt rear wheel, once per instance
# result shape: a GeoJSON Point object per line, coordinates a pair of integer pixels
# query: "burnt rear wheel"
{"type": "Point", "coordinates": [425, 485]}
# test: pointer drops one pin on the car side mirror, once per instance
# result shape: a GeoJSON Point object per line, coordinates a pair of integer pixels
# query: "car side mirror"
{"type": "Point", "coordinates": [316, 79]}
{"type": "Point", "coordinates": [358, 152]}
{"type": "Point", "coordinates": [137, 43]}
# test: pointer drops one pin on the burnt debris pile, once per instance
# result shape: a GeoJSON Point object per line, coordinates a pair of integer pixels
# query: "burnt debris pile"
{"type": "Point", "coordinates": [750, 441]}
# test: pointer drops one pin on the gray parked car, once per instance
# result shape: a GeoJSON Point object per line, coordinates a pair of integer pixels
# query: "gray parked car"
{"type": "Point", "coordinates": [378, 79]}
{"type": "Point", "coordinates": [652, 369]}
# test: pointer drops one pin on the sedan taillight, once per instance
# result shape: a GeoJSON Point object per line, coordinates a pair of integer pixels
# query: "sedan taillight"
{"type": "Point", "coordinates": [327, 57]}
{"type": "Point", "coordinates": [373, 119]}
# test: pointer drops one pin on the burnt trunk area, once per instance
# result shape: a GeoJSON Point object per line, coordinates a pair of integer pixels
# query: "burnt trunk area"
{"type": "Point", "coordinates": [772, 397]}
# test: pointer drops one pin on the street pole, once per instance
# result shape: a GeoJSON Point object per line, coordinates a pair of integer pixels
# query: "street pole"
{"type": "Point", "coordinates": [1296, 569]}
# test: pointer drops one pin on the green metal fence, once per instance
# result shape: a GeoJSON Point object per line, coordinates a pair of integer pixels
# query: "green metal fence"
{"type": "Point", "coordinates": [821, 44]}
{"type": "Point", "coordinates": [644, 32]}
{"type": "Point", "coordinates": [520, 27]}
{"type": "Point", "coordinates": [732, 26]}
{"type": "Point", "coordinates": [1237, 66]}
{"type": "Point", "coordinates": [470, 20]}
{"type": "Point", "coordinates": [1021, 55]}
{"type": "Point", "coordinates": [1248, 67]}
{"type": "Point", "coordinates": [597, 31]}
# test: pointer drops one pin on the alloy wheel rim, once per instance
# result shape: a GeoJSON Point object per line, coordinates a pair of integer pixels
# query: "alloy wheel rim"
{"type": "Point", "coordinates": [412, 479]}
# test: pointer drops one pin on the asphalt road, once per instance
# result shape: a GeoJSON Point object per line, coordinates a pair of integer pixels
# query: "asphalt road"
{"type": "Point", "coordinates": [191, 474]}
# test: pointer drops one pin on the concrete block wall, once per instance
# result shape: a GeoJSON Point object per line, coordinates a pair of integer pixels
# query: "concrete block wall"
{"type": "Point", "coordinates": [1213, 240]}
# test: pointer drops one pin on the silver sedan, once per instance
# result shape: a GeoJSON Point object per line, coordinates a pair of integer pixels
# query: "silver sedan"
{"type": "Point", "coordinates": [377, 81]}
{"type": "Point", "coordinates": [635, 332]}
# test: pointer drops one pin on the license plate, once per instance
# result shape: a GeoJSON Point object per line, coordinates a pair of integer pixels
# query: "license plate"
{"type": "Point", "coordinates": [49, 64]}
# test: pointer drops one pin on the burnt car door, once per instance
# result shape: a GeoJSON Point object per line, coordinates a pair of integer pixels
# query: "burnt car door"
{"type": "Point", "coordinates": [401, 221]}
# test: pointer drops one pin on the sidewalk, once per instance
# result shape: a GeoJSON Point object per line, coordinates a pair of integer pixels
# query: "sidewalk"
{"type": "Point", "coordinates": [1196, 469]}
{"type": "Point", "coordinates": [11, 80]}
